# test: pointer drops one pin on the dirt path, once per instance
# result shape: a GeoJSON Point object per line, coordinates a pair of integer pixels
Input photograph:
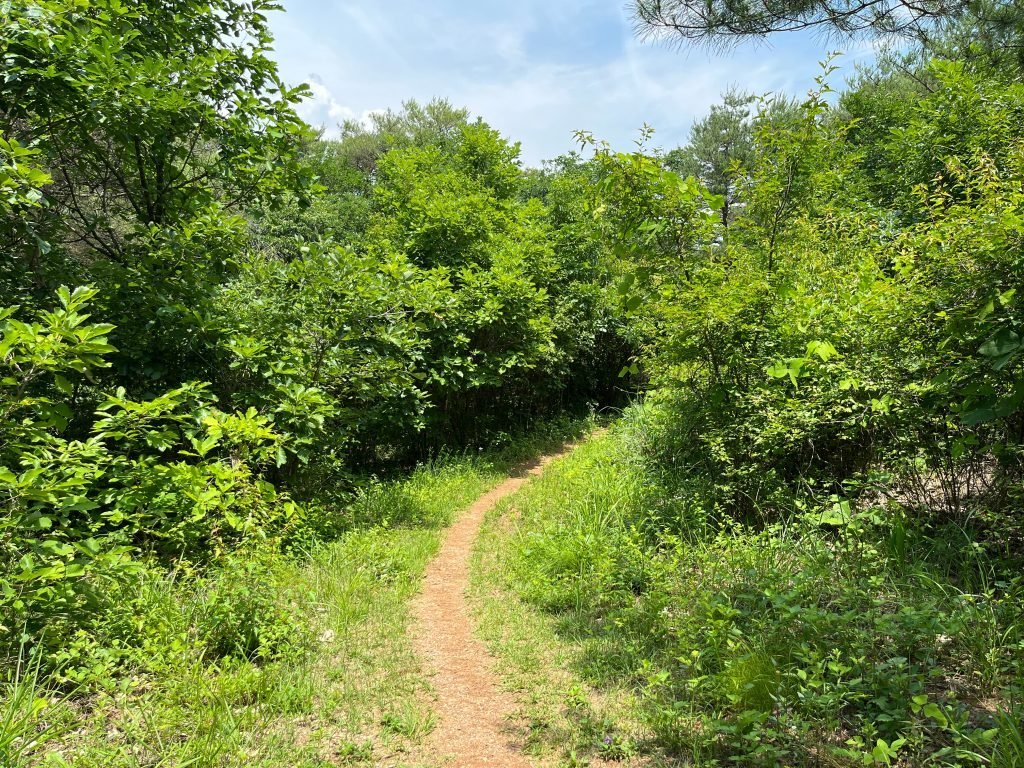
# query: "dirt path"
{"type": "Point", "coordinates": [473, 728]}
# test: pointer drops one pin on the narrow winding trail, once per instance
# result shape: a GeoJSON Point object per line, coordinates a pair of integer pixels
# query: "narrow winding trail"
{"type": "Point", "coordinates": [473, 729]}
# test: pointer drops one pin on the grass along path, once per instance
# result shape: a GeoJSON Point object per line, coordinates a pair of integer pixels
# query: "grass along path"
{"type": "Point", "coordinates": [473, 728]}
{"type": "Point", "coordinates": [570, 721]}
{"type": "Point", "coordinates": [359, 696]}
{"type": "Point", "coordinates": [637, 636]}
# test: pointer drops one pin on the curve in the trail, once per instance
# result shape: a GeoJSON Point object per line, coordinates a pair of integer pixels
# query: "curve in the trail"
{"type": "Point", "coordinates": [473, 728]}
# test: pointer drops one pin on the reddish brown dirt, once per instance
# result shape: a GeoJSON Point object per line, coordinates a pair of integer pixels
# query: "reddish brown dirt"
{"type": "Point", "coordinates": [473, 729]}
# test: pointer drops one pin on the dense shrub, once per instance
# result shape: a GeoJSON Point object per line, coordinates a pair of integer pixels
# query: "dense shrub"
{"type": "Point", "coordinates": [171, 477]}
{"type": "Point", "coordinates": [859, 637]}
{"type": "Point", "coordinates": [246, 609]}
{"type": "Point", "coordinates": [810, 545]}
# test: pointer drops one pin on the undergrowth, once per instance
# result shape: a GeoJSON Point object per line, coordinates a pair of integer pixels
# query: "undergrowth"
{"type": "Point", "coordinates": [863, 638]}
{"type": "Point", "coordinates": [273, 656]}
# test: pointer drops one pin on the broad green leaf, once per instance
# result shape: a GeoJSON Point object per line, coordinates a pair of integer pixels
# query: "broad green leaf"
{"type": "Point", "coordinates": [934, 711]}
{"type": "Point", "coordinates": [1001, 348]}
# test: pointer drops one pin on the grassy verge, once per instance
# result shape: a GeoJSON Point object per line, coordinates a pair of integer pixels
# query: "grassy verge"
{"type": "Point", "coordinates": [574, 718]}
{"type": "Point", "coordinates": [339, 685]}
{"type": "Point", "coordinates": [637, 631]}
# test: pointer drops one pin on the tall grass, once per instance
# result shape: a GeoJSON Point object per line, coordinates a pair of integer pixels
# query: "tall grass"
{"type": "Point", "coordinates": [267, 659]}
{"type": "Point", "coordinates": [788, 644]}
{"type": "Point", "coordinates": [32, 714]}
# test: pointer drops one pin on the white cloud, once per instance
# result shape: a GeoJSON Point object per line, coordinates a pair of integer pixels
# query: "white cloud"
{"type": "Point", "coordinates": [322, 110]}
{"type": "Point", "coordinates": [536, 70]}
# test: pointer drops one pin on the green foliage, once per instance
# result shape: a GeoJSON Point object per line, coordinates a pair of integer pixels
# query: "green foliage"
{"type": "Point", "coordinates": [156, 129]}
{"type": "Point", "coordinates": [150, 151]}
{"type": "Point", "coordinates": [257, 655]}
{"type": "Point", "coordinates": [245, 609]}
{"type": "Point", "coordinates": [720, 150]}
{"type": "Point", "coordinates": [823, 492]}
{"type": "Point", "coordinates": [719, 22]}
{"type": "Point", "coordinates": [840, 636]}
{"type": "Point", "coordinates": [346, 171]}
{"type": "Point", "coordinates": [24, 723]}
{"type": "Point", "coordinates": [964, 115]}
{"type": "Point", "coordinates": [518, 318]}
{"type": "Point", "coordinates": [172, 475]}
{"type": "Point", "coordinates": [333, 344]}
{"type": "Point", "coordinates": [435, 124]}
{"type": "Point", "coordinates": [21, 184]}
{"type": "Point", "coordinates": [822, 350]}
{"type": "Point", "coordinates": [805, 547]}
{"type": "Point", "coordinates": [655, 219]}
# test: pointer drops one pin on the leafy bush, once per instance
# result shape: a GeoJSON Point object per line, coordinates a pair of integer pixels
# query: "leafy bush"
{"type": "Point", "coordinates": [172, 476]}
{"type": "Point", "coordinates": [837, 634]}
{"type": "Point", "coordinates": [810, 542]}
{"type": "Point", "coordinates": [245, 609]}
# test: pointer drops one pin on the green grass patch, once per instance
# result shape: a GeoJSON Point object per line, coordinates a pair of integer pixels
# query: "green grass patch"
{"type": "Point", "coordinates": [797, 644]}
{"type": "Point", "coordinates": [267, 659]}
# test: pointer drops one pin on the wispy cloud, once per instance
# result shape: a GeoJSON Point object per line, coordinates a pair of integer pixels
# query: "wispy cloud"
{"type": "Point", "coordinates": [536, 69]}
{"type": "Point", "coordinates": [322, 108]}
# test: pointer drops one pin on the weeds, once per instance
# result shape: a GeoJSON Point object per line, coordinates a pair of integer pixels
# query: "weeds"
{"type": "Point", "coordinates": [30, 715]}
{"type": "Point", "coordinates": [770, 646]}
{"type": "Point", "coordinates": [263, 657]}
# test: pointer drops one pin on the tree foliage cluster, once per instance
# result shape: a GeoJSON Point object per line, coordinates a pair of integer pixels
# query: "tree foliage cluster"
{"type": "Point", "coordinates": [829, 322]}
{"type": "Point", "coordinates": [216, 322]}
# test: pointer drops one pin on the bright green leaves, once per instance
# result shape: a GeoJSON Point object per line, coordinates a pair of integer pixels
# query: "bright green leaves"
{"type": "Point", "coordinates": [635, 290]}
{"type": "Point", "coordinates": [626, 284]}
{"type": "Point", "coordinates": [719, 153]}
{"type": "Point", "coordinates": [21, 180]}
{"type": "Point", "coordinates": [884, 752]}
{"type": "Point", "coordinates": [633, 369]}
{"type": "Point", "coordinates": [161, 128]}
{"type": "Point", "coordinates": [652, 217]}
{"type": "Point", "coordinates": [170, 474]}
{"type": "Point", "coordinates": [792, 368]}
{"type": "Point", "coordinates": [61, 340]}
{"type": "Point", "coordinates": [795, 367]}
{"type": "Point", "coordinates": [934, 711]}
{"type": "Point", "coordinates": [798, 162]}
{"type": "Point", "coordinates": [511, 300]}
{"type": "Point", "coordinates": [442, 207]}
{"type": "Point", "coordinates": [659, 228]}
{"type": "Point", "coordinates": [335, 362]}
{"type": "Point", "coordinates": [838, 513]}
{"type": "Point", "coordinates": [144, 97]}
{"type": "Point", "coordinates": [823, 350]}
{"type": "Point", "coordinates": [713, 202]}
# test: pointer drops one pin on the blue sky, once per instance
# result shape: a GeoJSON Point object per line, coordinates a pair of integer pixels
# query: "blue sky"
{"type": "Point", "coordinates": [534, 69]}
